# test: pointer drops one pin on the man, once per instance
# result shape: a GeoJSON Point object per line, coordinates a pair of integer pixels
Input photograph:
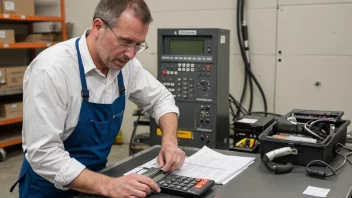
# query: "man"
{"type": "Point", "coordinates": [74, 101]}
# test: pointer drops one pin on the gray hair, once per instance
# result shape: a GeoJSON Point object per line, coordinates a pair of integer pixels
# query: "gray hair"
{"type": "Point", "coordinates": [111, 10]}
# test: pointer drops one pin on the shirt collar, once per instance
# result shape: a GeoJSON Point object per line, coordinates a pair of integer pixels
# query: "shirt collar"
{"type": "Point", "coordinates": [87, 60]}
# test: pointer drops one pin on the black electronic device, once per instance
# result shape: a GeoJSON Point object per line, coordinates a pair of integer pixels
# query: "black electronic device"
{"type": "Point", "coordinates": [179, 185]}
{"type": "Point", "coordinates": [303, 115]}
{"type": "Point", "coordinates": [193, 64]}
{"type": "Point", "coordinates": [311, 140]}
{"type": "Point", "coordinates": [247, 131]}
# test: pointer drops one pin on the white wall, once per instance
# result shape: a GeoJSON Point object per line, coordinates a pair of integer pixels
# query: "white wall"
{"type": "Point", "coordinates": [313, 35]}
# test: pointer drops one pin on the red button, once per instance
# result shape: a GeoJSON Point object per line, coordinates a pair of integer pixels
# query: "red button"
{"type": "Point", "coordinates": [204, 181]}
{"type": "Point", "coordinates": [207, 67]}
{"type": "Point", "coordinates": [198, 179]}
{"type": "Point", "coordinates": [198, 186]}
{"type": "Point", "coordinates": [164, 72]}
{"type": "Point", "coordinates": [207, 137]}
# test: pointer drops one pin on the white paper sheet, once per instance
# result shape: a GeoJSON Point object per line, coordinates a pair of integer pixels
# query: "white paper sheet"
{"type": "Point", "coordinates": [209, 164]}
{"type": "Point", "coordinates": [316, 192]}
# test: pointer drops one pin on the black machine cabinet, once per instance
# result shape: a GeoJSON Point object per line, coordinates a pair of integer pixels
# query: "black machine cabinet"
{"type": "Point", "coordinates": [193, 64]}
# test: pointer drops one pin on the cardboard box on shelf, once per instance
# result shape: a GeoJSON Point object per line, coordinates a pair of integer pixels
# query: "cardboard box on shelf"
{"type": "Point", "coordinates": [22, 7]}
{"type": "Point", "coordinates": [43, 37]}
{"type": "Point", "coordinates": [11, 110]}
{"type": "Point", "coordinates": [7, 6]}
{"type": "Point", "coordinates": [7, 36]}
{"type": "Point", "coordinates": [25, 7]}
{"type": "Point", "coordinates": [14, 77]}
{"type": "Point", "coordinates": [2, 76]}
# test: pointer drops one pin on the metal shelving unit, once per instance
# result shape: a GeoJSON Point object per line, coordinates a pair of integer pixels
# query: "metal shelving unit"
{"type": "Point", "coordinates": [8, 139]}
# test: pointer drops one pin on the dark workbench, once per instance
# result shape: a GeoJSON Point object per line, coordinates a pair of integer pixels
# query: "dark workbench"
{"type": "Point", "coordinates": [255, 181]}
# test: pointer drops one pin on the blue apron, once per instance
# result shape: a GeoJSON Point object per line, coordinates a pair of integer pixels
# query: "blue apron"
{"type": "Point", "coordinates": [90, 143]}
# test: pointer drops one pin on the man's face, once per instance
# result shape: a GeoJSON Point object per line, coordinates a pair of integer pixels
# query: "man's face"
{"type": "Point", "coordinates": [116, 46]}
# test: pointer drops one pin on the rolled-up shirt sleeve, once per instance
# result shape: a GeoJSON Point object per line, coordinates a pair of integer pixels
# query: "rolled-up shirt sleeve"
{"type": "Point", "coordinates": [45, 100]}
{"type": "Point", "coordinates": [148, 93]}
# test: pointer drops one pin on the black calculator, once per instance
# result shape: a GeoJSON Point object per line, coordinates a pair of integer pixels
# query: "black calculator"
{"type": "Point", "coordinates": [179, 185]}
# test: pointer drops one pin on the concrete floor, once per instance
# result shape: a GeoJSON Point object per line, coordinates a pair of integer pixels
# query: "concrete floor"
{"type": "Point", "coordinates": [9, 169]}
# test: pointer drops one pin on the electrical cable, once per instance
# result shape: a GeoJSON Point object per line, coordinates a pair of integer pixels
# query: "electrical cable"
{"type": "Point", "coordinates": [246, 60]}
{"type": "Point", "coordinates": [238, 105]}
{"type": "Point", "coordinates": [311, 132]}
{"type": "Point", "coordinates": [323, 174]}
{"type": "Point", "coordinates": [238, 23]}
{"type": "Point", "coordinates": [243, 53]}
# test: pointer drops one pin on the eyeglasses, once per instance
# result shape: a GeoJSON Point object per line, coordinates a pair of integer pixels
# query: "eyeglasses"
{"type": "Point", "coordinates": [137, 48]}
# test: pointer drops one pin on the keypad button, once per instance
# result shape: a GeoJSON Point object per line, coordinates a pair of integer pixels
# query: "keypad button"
{"type": "Point", "coordinates": [165, 185]}
{"type": "Point", "coordinates": [161, 182]}
{"type": "Point", "coordinates": [171, 186]}
{"type": "Point", "coordinates": [178, 187]}
{"type": "Point", "coordinates": [189, 185]}
{"type": "Point", "coordinates": [183, 184]}
{"type": "Point", "coordinates": [173, 179]}
{"type": "Point", "coordinates": [185, 188]}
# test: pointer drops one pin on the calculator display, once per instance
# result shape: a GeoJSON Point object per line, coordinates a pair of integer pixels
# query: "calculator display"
{"type": "Point", "coordinates": [158, 176]}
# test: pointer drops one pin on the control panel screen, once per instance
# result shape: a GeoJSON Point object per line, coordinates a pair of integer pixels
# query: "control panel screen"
{"type": "Point", "coordinates": [158, 176]}
{"type": "Point", "coordinates": [186, 46]}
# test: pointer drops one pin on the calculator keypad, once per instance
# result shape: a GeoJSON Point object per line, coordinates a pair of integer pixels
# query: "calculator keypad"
{"type": "Point", "coordinates": [181, 183]}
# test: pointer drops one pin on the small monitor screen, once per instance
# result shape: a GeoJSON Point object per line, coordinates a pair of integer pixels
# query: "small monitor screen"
{"type": "Point", "coordinates": [186, 46]}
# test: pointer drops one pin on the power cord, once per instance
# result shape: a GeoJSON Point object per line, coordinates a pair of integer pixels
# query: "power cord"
{"type": "Point", "coordinates": [244, 47]}
{"type": "Point", "coordinates": [323, 174]}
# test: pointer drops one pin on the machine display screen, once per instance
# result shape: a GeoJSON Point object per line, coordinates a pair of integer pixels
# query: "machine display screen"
{"type": "Point", "coordinates": [186, 46]}
{"type": "Point", "coordinates": [158, 176]}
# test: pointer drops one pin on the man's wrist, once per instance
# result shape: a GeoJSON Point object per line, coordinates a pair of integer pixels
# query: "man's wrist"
{"type": "Point", "coordinates": [170, 141]}
{"type": "Point", "coordinates": [103, 187]}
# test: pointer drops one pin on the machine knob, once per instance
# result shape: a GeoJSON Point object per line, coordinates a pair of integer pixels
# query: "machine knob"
{"type": "Point", "coordinates": [202, 137]}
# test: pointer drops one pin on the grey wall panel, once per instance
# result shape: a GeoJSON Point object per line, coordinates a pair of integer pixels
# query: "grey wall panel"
{"type": "Point", "coordinates": [262, 27]}
{"type": "Point", "coordinates": [310, 2]}
{"type": "Point", "coordinates": [315, 29]}
{"type": "Point", "coordinates": [296, 83]}
{"type": "Point", "coordinates": [168, 5]}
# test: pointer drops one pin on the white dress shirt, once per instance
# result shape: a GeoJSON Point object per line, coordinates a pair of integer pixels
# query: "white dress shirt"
{"type": "Point", "coordinates": [52, 101]}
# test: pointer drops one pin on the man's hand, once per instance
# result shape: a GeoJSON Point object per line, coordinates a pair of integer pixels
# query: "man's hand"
{"type": "Point", "coordinates": [171, 157]}
{"type": "Point", "coordinates": [132, 185]}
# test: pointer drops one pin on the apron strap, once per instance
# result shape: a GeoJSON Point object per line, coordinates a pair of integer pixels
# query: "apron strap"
{"type": "Point", "coordinates": [121, 84]}
{"type": "Point", "coordinates": [85, 92]}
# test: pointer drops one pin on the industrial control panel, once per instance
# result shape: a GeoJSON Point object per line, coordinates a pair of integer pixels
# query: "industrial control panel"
{"type": "Point", "coordinates": [193, 64]}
